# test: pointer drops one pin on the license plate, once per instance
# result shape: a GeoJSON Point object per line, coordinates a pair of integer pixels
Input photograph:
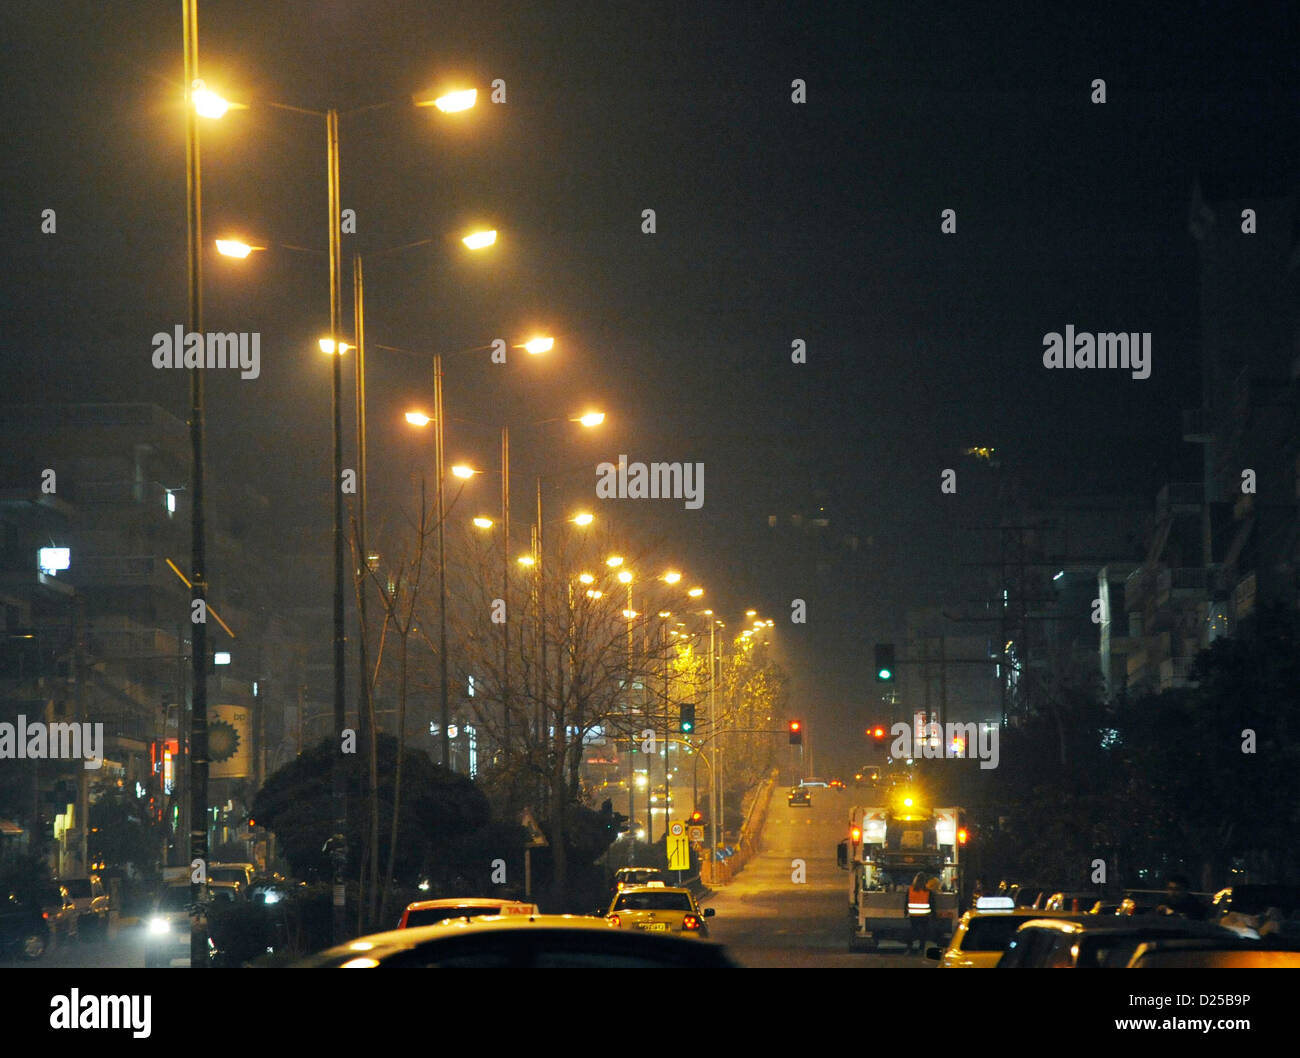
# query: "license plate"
{"type": "Point", "coordinates": [654, 927]}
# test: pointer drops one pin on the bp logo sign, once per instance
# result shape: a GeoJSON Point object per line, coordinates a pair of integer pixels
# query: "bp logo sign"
{"type": "Point", "coordinates": [229, 742]}
{"type": "Point", "coordinates": [223, 741]}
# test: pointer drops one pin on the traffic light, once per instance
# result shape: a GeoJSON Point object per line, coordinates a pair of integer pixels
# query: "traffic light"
{"type": "Point", "coordinates": [885, 662]}
{"type": "Point", "coordinates": [687, 721]}
{"type": "Point", "coordinates": [878, 734]}
{"type": "Point", "coordinates": [796, 733]}
{"type": "Point", "coordinates": [697, 818]}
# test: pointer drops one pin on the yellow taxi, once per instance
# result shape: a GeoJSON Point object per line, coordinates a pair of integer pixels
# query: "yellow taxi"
{"type": "Point", "coordinates": [659, 908]}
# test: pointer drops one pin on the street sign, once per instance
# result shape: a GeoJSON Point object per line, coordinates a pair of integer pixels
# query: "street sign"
{"type": "Point", "coordinates": [676, 830]}
{"type": "Point", "coordinates": [697, 833]}
{"type": "Point", "coordinates": [679, 853]}
{"type": "Point", "coordinates": [536, 839]}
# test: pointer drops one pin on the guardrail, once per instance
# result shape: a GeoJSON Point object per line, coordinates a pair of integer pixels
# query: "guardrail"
{"type": "Point", "coordinates": [715, 872]}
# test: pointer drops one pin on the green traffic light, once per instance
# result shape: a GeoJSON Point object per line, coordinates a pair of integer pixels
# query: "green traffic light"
{"type": "Point", "coordinates": [884, 674]}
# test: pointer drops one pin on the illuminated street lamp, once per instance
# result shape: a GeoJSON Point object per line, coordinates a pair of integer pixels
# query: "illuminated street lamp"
{"type": "Point", "coordinates": [478, 240]}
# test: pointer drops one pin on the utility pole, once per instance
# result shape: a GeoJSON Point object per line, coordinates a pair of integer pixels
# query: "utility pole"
{"type": "Point", "coordinates": [198, 770]}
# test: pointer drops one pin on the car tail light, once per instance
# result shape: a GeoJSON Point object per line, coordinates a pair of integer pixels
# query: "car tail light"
{"type": "Point", "coordinates": [616, 920]}
{"type": "Point", "coordinates": [45, 914]}
{"type": "Point", "coordinates": [690, 922]}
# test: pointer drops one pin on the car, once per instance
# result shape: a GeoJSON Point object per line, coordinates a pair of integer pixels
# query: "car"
{"type": "Point", "coordinates": [837, 784]}
{"type": "Point", "coordinates": [1214, 953]}
{"type": "Point", "coordinates": [1245, 909]}
{"type": "Point", "coordinates": [1140, 901]}
{"type": "Point", "coordinates": [427, 912]}
{"type": "Point", "coordinates": [240, 873]}
{"type": "Point", "coordinates": [24, 930]}
{"type": "Point", "coordinates": [1071, 900]}
{"type": "Point", "coordinates": [661, 796]}
{"type": "Point", "coordinates": [60, 913]}
{"type": "Point", "coordinates": [92, 903]}
{"type": "Point", "coordinates": [519, 941]}
{"type": "Point", "coordinates": [799, 798]}
{"type": "Point", "coordinates": [659, 909]}
{"type": "Point", "coordinates": [168, 924]}
{"type": "Point", "coordinates": [814, 782]}
{"type": "Point", "coordinates": [223, 892]}
{"type": "Point", "coordinates": [635, 876]}
{"type": "Point", "coordinates": [982, 935]}
{"type": "Point", "coordinates": [1071, 943]}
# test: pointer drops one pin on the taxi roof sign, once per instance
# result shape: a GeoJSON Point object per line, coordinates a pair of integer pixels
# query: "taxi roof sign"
{"type": "Point", "coordinates": [995, 903]}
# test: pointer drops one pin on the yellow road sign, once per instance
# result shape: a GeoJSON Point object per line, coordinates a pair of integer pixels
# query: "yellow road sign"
{"type": "Point", "coordinates": [679, 853]}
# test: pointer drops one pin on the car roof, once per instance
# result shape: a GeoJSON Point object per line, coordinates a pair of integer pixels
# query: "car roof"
{"type": "Point", "coordinates": [1026, 913]}
{"type": "Point", "coordinates": [395, 940]}
{"type": "Point", "coordinates": [380, 946]}
{"type": "Point", "coordinates": [1098, 925]}
{"type": "Point", "coordinates": [661, 888]}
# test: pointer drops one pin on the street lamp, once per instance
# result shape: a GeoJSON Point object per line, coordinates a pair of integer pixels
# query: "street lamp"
{"type": "Point", "coordinates": [210, 104]}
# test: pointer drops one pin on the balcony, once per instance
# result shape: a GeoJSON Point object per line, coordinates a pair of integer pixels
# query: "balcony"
{"type": "Point", "coordinates": [1180, 583]}
{"type": "Point", "coordinates": [1176, 672]}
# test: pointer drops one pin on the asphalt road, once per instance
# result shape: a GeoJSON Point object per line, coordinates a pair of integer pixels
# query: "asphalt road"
{"type": "Point", "coordinates": [768, 917]}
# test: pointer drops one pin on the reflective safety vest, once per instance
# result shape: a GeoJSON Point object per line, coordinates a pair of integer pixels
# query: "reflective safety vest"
{"type": "Point", "coordinates": [918, 901]}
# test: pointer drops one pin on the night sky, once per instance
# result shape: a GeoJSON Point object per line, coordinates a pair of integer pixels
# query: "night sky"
{"type": "Point", "coordinates": [776, 221]}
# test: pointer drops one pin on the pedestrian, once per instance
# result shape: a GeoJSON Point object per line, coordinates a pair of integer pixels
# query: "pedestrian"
{"type": "Point", "coordinates": [920, 908]}
{"type": "Point", "coordinates": [1179, 899]}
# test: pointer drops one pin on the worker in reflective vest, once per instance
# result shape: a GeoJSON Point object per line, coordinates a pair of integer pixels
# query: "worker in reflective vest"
{"type": "Point", "coordinates": [920, 910]}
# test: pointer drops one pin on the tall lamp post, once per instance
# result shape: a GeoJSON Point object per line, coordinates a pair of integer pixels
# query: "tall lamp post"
{"type": "Point", "coordinates": [215, 107]}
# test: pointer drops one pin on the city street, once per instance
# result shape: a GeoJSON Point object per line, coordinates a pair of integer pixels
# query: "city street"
{"type": "Point", "coordinates": [767, 920]}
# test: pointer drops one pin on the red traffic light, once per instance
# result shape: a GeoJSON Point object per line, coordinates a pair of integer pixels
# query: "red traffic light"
{"type": "Point", "coordinates": [877, 732]}
{"type": "Point", "coordinates": [795, 725]}
{"type": "Point", "coordinates": [697, 816]}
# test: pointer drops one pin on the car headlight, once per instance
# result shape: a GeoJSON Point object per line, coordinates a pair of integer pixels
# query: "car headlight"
{"type": "Point", "coordinates": [272, 897]}
{"type": "Point", "coordinates": [159, 926]}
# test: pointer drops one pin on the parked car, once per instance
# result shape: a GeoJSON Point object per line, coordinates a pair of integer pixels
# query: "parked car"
{"type": "Point", "coordinates": [24, 930]}
{"type": "Point", "coordinates": [91, 900]}
{"type": "Point", "coordinates": [241, 873]}
{"type": "Point", "coordinates": [60, 913]}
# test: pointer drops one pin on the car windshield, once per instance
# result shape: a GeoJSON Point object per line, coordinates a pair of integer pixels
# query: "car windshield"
{"type": "Point", "coordinates": [990, 934]}
{"type": "Point", "coordinates": [658, 901]}
{"type": "Point", "coordinates": [78, 888]}
{"type": "Point", "coordinates": [228, 874]}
